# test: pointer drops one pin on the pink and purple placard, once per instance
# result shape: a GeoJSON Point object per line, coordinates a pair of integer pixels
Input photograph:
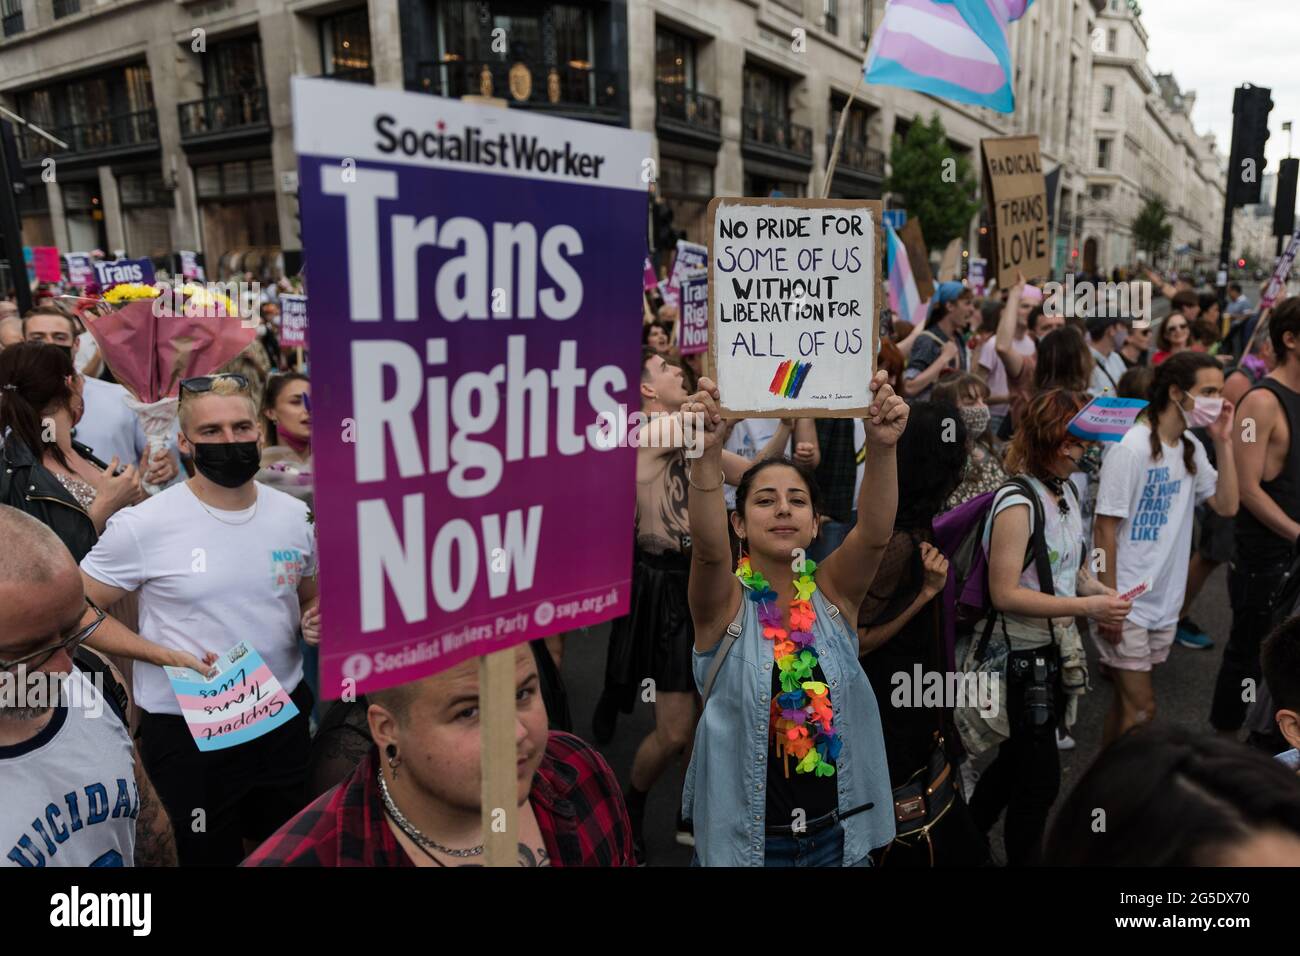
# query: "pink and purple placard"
{"type": "Point", "coordinates": [468, 264]}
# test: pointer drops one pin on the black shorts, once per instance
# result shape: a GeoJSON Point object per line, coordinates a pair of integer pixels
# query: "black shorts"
{"type": "Point", "coordinates": [1216, 542]}
{"type": "Point", "coordinates": [219, 798]}
{"type": "Point", "coordinates": [656, 637]}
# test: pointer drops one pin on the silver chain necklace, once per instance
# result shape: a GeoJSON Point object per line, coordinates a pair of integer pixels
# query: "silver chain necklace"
{"type": "Point", "coordinates": [409, 829]}
{"type": "Point", "coordinates": [253, 515]}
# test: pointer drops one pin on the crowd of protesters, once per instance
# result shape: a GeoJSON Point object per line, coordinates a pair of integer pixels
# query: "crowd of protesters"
{"type": "Point", "coordinates": [784, 580]}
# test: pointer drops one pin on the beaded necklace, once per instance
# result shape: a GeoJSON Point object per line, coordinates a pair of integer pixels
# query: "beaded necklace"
{"type": "Point", "coordinates": [801, 714]}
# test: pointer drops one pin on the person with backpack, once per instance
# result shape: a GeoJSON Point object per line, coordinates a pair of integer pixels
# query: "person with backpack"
{"type": "Point", "coordinates": [1037, 586]}
{"type": "Point", "coordinates": [940, 346]}
{"type": "Point", "coordinates": [902, 642]}
{"type": "Point", "coordinates": [75, 790]}
{"type": "Point", "coordinates": [1150, 483]}
{"type": "Point", "coordinates": [789, 766]}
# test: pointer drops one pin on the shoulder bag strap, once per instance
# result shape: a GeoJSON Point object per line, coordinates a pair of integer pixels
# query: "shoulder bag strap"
{"type": "Point", "coordinates": [734, 630]}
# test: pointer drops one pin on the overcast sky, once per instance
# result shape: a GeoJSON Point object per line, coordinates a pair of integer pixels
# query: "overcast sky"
{"type": "Point", "coordinates": [1213, 46]}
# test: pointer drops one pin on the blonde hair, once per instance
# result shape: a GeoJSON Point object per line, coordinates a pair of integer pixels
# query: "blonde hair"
{"type": "Point", "coordinates": [223, 387]}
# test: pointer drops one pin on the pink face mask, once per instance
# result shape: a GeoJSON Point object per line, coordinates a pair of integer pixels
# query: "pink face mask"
{"type": "Point", "coordinates": [1204, 412]}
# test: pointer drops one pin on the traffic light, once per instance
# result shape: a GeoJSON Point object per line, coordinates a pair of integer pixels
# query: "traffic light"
{"type": "Point", "coordinates": [1250, 108]}
{"type": "Point", "coordinates": [1284, 206]}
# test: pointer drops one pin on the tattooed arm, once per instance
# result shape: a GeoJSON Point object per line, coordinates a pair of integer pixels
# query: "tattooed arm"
{"type": "Point", "coordinates": [155, 843]}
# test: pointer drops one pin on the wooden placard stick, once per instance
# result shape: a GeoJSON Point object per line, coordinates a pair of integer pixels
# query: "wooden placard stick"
{"type": "Point", "coordinates": [496, 702]}
{"type": "Point", "coordinates": [839, 132]}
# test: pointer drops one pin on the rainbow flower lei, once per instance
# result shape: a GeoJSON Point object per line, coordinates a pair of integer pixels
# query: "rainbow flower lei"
{"type": "Point", "coordinates": [801, 714]}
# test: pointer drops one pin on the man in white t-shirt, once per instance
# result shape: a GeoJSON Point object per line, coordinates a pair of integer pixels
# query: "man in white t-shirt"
{"type": "Point", "coordinates": [216, 560]}
{"type": "Point", "coordinates": [1144, 522]}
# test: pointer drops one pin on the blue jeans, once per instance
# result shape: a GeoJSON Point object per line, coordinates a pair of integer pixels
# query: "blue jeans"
{"type": "Point", "coordinates": [823, 848]}
{"type": "Point", "coordinates": [832, 536]}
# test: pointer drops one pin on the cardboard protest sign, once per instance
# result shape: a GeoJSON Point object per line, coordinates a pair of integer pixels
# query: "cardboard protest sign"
{"type": "Point", "coordinates": [109, 274]}
{"type": "Point", "coordinates": [950, 264]}
{"type": "Point", "coordinates": [240, 702]}
{"type": "Point", "coordinates": [1106, 418]}
{"type": "Point", "coordinates": [293, 321]}
{"type": "Point", "coordinates": [976, 275]}
{"type": "Point", "coordinates": [1017, 196]}
{"type": "Point", "coordinates": [918, 256]}
{"type": "Point", "coordinates": [794, 305]}
{"type": "Point", "coordinates": [466, 261]}
{"type": "Point", "coordinates": [694, 320]}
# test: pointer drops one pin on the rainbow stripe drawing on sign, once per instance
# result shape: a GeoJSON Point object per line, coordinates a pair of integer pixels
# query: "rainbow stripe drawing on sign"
{"type": "Point", "coordinates": [789, 378]}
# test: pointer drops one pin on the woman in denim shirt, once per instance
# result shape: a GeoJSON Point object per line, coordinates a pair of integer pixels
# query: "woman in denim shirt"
{"type": "Point", "coordinates": [789, 764]}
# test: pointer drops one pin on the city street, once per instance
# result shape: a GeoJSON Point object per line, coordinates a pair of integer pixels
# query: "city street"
{"type": "Point", "coordinates": [1183, 688]}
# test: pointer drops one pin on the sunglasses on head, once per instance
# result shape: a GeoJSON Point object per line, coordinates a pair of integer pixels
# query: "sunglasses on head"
{"type": "Point", "coordinates": [204, 383]}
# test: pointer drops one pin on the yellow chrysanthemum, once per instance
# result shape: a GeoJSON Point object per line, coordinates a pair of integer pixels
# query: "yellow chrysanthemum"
{"type": "Point", "coordinates": [130, 292]}
{"type": "Point", "coordinates": [202, 300]}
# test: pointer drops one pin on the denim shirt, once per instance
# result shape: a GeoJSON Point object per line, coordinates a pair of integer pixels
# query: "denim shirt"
{"type": "Point", "coordinates": [726, 783]}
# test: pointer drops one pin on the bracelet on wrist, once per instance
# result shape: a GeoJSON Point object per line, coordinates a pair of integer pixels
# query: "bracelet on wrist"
{"type": "Point", "coordinates": [690, 478]}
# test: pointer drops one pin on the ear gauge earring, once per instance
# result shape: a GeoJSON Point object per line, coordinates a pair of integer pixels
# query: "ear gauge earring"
{"type": "Point", "coordinates": [393, 760]}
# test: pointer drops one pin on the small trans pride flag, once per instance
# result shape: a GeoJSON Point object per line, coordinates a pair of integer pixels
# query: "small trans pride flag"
{"type": "Point", "coordinates": [955, 49]}
{"type": "Point", "coordinates": [789, 378]}
{"type": "Point", "coordinates": [1106, 418]}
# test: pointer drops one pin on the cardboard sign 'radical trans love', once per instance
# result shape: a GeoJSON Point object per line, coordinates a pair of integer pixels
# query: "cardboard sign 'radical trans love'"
{"type": "Point", "coordinates": [794, 301]}
{"type": "Point", "coordinates": [466, 261]}
{"type": "Point", "coordinates": [1017, 194]}
{"type": "Point", "coordinates": [240, 702]}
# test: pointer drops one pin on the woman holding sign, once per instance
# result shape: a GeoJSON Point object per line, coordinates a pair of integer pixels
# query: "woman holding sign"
{"type": "Point", "coordinates": [789, 762]}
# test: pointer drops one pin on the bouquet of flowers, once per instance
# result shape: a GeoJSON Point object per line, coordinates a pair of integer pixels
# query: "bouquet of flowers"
{"type": "Point", "coordinates": [154, 336]}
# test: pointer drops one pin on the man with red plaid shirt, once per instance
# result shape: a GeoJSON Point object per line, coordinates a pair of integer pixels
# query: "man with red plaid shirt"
{"type": "Point", "coordinates": [414, 798]}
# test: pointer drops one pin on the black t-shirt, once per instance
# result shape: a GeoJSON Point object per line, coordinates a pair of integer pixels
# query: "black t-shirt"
{"type": "Point", "coordinates": [815, 796]}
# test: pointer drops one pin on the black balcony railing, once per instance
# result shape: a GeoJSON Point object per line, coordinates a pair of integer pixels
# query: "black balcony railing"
{"type": "Point", "coordinates": [857, 155]}
{"type": "Point", "coordinates": [225, 113]}
{"type": "Point", "coordinates": [762, 129]}
{"type": "Point", "coordinates": [114, 133]}
{"type": "Point", "coordinates": [12, 23]}
{"type": "Point", "coordinates": [357, 74]}
{"type": "Point", "coordinates": [676, 104]}
{"type": "Point", "coordinates": [561, 87]}
{"type": "Point", "coordinates": [66, 8]}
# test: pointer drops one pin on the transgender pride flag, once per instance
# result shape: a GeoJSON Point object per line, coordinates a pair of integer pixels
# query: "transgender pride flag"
{"type": "Point", "coordinates": [904, 301]}
{"type": "Point", "coordinates": [956, 49]}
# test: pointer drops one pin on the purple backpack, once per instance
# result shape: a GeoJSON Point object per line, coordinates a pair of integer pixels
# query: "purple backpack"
{"type": "Point", "coordinates": [959, 534]}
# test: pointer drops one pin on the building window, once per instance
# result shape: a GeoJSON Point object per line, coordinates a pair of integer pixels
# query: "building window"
{"type": "Point", "coordinates": [245, 177]}
{"type": "Point", "coordinates": [674, 59]}
{"type": "Point", "coordinates": [1103, 153]}
{"type": "Point", "coordinates": [1107, 99]}
{"type": "Point", "coordinates": [868, 18]}
{"type": "Point", "coordinates": [831, 16]}
{"type": "Point", "coordinates": [345, 42]}
{"type": "Point", "coordinates": [142, 189]}
{"type": "Point", "coordinates": [553, 34]}
{"type": "Point", "coordinates": [234, 66]}
{"type": "Point", "coordinates": [66, 8]}
{"type": "Point", "coordinates": [767, 93]}
{"type": "Point", "coordinates": [1099, 192]}
{"type": "Point", "coordinates": [1112, 41]}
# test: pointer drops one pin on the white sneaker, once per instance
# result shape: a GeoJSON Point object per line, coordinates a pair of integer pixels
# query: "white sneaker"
{"type": "Point", "coordinates": [1064, 741]}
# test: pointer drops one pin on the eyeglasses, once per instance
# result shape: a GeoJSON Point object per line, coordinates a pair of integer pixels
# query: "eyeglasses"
{"type": "Point", "coordinates": [204, 383]}
{"type": "Point", "coordinates": [1177, 328]}
{"type": "Point", "coordinates": [36, 659]}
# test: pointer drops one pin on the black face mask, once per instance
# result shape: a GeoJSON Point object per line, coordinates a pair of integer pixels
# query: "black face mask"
{"type": "Point", "coordinates": [229, 464]}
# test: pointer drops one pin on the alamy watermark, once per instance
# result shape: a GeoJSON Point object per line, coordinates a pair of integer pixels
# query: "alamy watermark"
{"type": "Point", "coordinates": [946, 689]}
{"type": "Point", "coordinates": [637, 429]}
{"type": "Point", "coordinates": [1121, 300]}
{"type": "Point", "coordinates": [28, 694]}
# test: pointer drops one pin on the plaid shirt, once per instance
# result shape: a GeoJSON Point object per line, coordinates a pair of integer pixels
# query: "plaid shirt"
{"type": "Point", "coordinates": [575, 797]}
{"type": "Point", "coordinates": [838, 471]}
